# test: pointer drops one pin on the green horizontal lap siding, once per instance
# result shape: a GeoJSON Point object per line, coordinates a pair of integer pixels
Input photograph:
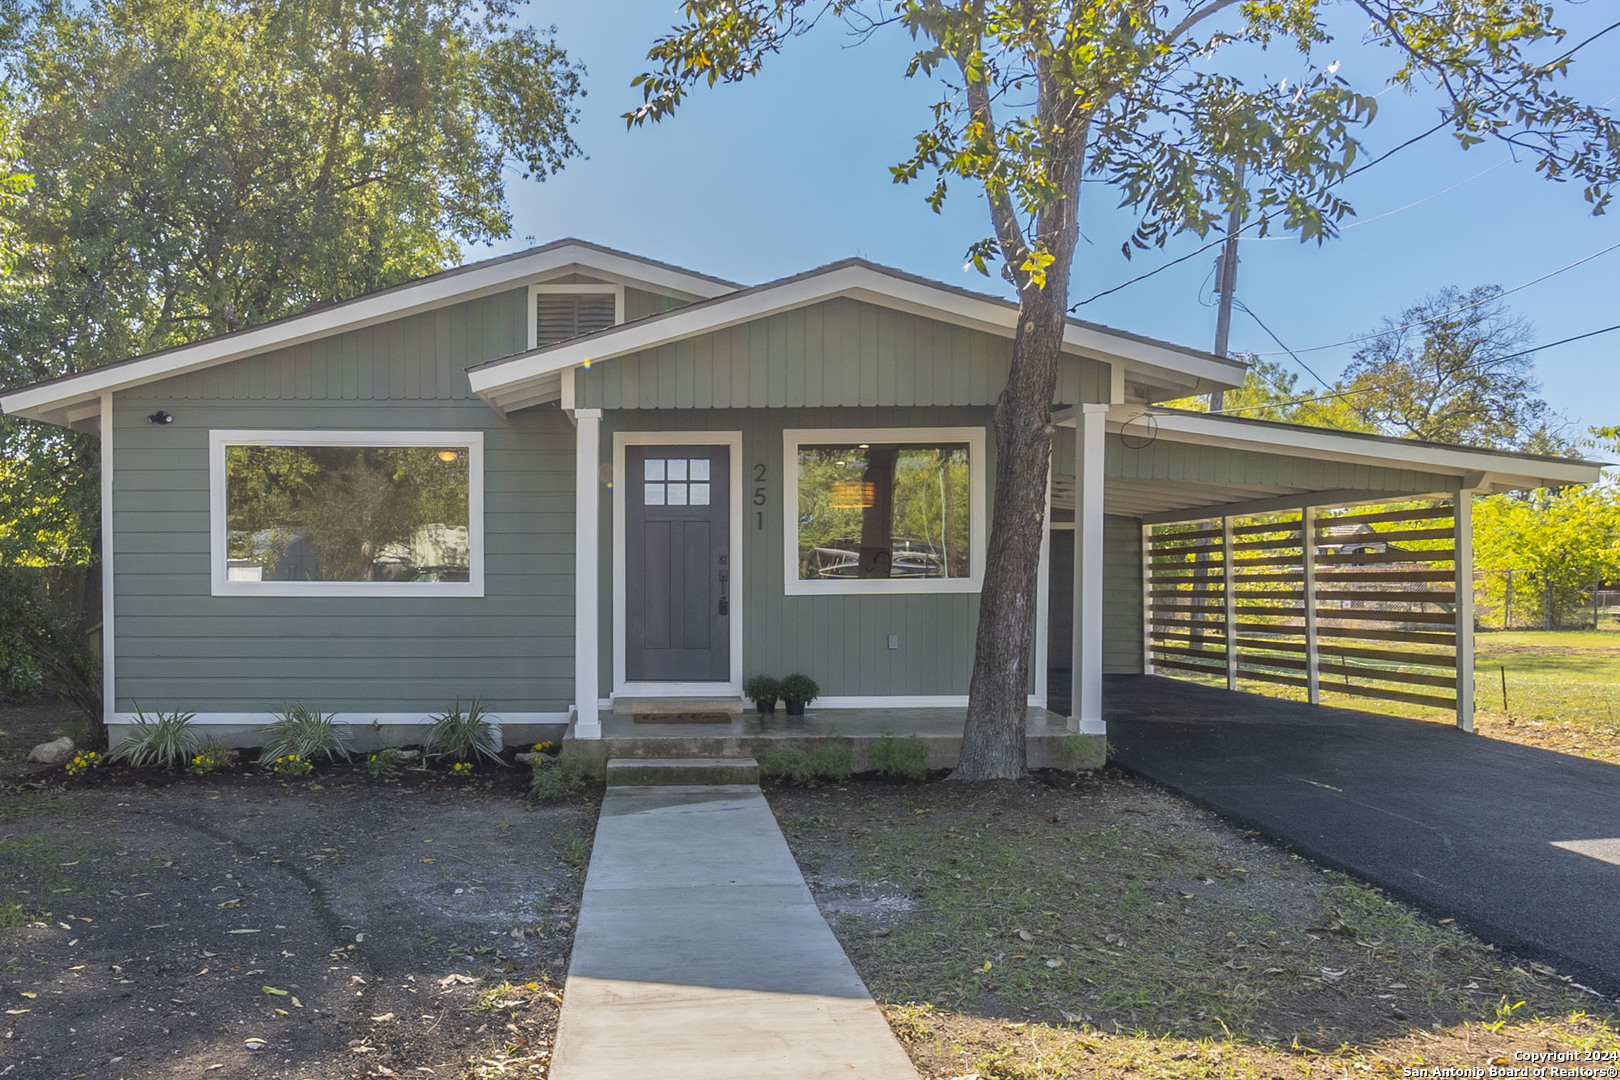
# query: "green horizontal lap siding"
{"type": "Point", "coordinates": [1122, 595]}
{"type": "Point", "coordinates": [838, 353]}
{"type": "Point", "coordinates": [177, 646]}
{"type": "Point", "coordinates": [840, 641]}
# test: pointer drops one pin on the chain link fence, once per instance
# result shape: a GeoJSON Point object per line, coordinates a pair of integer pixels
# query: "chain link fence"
{"type": "Point", "coordinates": [1523, 600]}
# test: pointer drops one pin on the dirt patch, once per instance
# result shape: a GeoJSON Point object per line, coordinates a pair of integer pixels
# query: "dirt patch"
{"type": "Point", "coordinates": [252, 927]}
{"type": "Point", "coordinates": [1101, 926]}
{"type": "Point", "coordinates": [25, 725]}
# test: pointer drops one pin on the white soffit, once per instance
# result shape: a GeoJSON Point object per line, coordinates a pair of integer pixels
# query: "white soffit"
{"type": "Point", "coordinates": [53, 401]}
{"type": "Point", "coordinates": [504, 382]}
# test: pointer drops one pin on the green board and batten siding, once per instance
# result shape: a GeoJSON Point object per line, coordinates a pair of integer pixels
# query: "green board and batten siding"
{"type": "Point", "coordinates": [180, 647]}
{"type": "Point", "coordinates": [836, 353]}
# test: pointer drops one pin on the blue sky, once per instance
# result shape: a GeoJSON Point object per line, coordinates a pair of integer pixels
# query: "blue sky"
{"type": "Point", "coordinates": [790, 170]}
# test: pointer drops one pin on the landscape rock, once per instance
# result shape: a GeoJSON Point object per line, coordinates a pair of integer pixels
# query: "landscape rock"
{"type": "Point", "coordinates": [56, 752]}
{"type": "Point", "coordinates": [527, 759]}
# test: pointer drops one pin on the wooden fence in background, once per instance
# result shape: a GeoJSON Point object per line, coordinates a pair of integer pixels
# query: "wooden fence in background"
{"type": "Point", "coordinates": [1361, 602]}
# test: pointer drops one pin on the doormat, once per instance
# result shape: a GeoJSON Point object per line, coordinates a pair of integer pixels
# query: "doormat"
{"type": "Point", "coordinates": [683, 718]}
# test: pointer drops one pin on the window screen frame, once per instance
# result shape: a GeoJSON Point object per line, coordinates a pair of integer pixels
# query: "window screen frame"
{"type": "Point", "coordinates": [978, 521]}
{"type": "Point", "coordinates": [537, 291]}
{"type": "Point", "coordinates": [219, 548]}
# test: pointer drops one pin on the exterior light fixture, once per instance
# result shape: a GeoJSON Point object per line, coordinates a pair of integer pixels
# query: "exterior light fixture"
{"type": "Point", "coordinates": [447, 456]}
{"type": "Point", "coordinates": [160, 417]}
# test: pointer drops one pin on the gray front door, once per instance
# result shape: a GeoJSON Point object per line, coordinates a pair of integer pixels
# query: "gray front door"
{"type": "Point", "coordinates": [677, 564]}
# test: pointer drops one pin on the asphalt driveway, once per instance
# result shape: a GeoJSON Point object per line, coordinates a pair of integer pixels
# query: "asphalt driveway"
{"type": "Point", "coordinates": [1519, 845]}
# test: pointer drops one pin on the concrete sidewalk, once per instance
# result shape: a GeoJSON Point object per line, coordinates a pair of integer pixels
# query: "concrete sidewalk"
{"type": "Point", "coordinates": [700, 953]}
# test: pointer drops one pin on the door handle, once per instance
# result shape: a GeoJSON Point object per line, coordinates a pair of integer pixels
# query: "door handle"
{"type": "Point", "coordinates": [725, 593]}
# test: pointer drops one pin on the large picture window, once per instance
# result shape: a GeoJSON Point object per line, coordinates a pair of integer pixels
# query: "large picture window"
{"type": "Point", "coordinates": [347, 513]}
{"type": "Point", "coordinates": [884, 510]}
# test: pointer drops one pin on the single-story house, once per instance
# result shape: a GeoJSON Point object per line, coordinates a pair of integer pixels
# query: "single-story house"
{"type": "Point", "coordinates": [572, 478]}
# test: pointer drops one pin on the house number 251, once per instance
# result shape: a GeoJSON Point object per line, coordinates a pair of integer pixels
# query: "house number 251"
{"type": "Point", "coordinates": [759, 495]}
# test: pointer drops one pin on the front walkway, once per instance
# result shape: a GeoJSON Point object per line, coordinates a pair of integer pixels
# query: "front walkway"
{"type": "Point", "coordinates": [1521, 846]}
{"type": "Point", "coordinates": [700, 953]}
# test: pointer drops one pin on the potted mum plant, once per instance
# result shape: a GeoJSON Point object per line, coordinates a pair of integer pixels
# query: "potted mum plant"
{"type": "Point", "coordinates": [796, 691]}
{"type": "Point", "coordinates": [763, 691]}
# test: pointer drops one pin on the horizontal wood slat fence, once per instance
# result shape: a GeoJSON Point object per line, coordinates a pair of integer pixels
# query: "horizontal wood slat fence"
{"type": "Point", "coordinates": [1356, 602]}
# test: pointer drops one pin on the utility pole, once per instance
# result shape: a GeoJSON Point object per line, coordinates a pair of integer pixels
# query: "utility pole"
{"type": "Point", "coordinates": [1226, 285]}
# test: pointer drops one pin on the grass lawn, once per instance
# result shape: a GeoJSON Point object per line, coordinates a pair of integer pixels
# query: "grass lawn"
{"type": "Point", "coordinates": [1100, 927]}
{"type": "Point", "coordinates": [1563, 690]}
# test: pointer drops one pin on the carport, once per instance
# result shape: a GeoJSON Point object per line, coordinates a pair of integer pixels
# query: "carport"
{"type": "Point", "coordinates": [1238, 552]}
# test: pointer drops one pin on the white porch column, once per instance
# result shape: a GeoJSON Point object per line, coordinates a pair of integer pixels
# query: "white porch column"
{"type": "Point", "coordinates": [1085, 708]}
{"type": "Point", "coordinates": [1313, 657]}
{"type": "Point", "coordinates": [1463, 539]}
{"type": "Point", "coordinates": [587, 554]}
{"type": "Point", "coordinates": [1229, 607]}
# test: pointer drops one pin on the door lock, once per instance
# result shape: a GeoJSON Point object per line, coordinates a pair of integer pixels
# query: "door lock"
{"type": "Point", "coordinates": [725, 592]}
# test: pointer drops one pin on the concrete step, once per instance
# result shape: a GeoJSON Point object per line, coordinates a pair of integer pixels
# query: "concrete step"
{"type": "Point", "coordinates": [633, 706]}
{"type": "Point", "coordinates": [669, 772]}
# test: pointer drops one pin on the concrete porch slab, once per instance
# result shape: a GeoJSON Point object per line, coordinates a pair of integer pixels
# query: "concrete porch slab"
{"type": "Point", "coordinates": [751, 735]}
{"type": "Point", "coordinates": [700, 954]}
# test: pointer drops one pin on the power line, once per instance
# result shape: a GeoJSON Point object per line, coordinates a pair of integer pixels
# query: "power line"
{"type": "Point", "coordinates": [1258, 221]}
{"type": "Point", "coordinates": [1403, 382]}
{"type": "Point", "coordinates": [1446, 314]}
{"type": "Point", "coordinates": [1248, 311]}
{"type": "Point", "coordinates": [1402, 209]}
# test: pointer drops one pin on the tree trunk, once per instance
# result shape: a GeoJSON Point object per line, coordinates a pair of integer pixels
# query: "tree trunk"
{"type": "Point", "coordinates": [998, 695]}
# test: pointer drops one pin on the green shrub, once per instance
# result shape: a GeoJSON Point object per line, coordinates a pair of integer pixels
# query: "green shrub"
{"type": "Point", "coordinates": [832, 761]}
{"type": "Point", "coordinates": [798, 687]}
{"type": "Point", "coordinates": [213, 755]}
{"type": "Point", "coordinates": [905, 757]}
{"type": "Point", "coordinates": [462, 736]}
{"type": "Point", "coordinates": [828, 761]}
{"type": "Point", "coordinates": [166, 741]}
{"type": "Point", "coordinates": [383, 763]}
{"type": "Point", "coordinates": [557, 777]}
{"type": "Point", "coordinates": [762, 689]}
{"type": "Point", "coordinates": [303, 733]}
{"type": "Point", "coordinates": [291, 765]}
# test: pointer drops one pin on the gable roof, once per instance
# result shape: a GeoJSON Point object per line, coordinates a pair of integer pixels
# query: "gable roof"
{"type": "Point", "coordinates": [532, 377]}
{"type": "Point", "coordinates": [73, 397]}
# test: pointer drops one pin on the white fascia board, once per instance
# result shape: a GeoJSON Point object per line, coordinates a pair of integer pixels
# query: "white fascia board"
{"type": "Point", "coordinates": [862, 283]}
{"type": "Point", "coordinates": [1501, 472]}
{"type": "Point", "coordinates": [499, 275]}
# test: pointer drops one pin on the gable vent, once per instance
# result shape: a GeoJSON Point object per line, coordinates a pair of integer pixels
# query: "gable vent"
{"type": "Point", "coordinates": [560, 316]}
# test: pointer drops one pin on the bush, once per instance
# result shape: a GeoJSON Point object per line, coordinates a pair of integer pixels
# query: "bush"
{"type": "Point", "coordinates": [557, 777]}
{"type": "Point", "coordinates": [762, 689]}
{"type": "Point", "coordinates": [213, 755]}
{"type": "Point", "coordinates": [828, 761]}
{"type": "Point", "coordinates": [798, 687]}
{"type": "Point", "coordinates": [905, 757]}
{"type": "Point", "coordinates": [291, 765]}
{"type": "Point", "coordinates": [166, 741]}
{"type": "Point", "coordinates": [383, 763]}
{"type": "Point", "coordinates": [303, 733]}
{"type": "Point", "coordinates": [43, 648]}
{"type": "Point", "coordinates": [462, 736]}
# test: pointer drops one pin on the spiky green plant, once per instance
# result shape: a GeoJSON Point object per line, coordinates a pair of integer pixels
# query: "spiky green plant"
{"type": "Point", "coordinates": [163, 741]}
{"type": "Point", "coordinates": [305, 733]}
{"type": "Point", "coordinates": [462, 736]}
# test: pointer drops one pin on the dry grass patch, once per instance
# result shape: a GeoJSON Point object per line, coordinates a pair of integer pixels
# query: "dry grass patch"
{"type": "Point", "coordinates": [1102, 926]}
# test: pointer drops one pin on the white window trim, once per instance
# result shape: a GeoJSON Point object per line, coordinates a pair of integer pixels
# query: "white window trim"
{"type": "Point", "coordinates": [793, 438]}
{"type": "Point", "coordinates": [622, 687]}
{"type": "Point", "coordinates": [536, 291]}
{"type": "Point", "coordinates": [473, 441]}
